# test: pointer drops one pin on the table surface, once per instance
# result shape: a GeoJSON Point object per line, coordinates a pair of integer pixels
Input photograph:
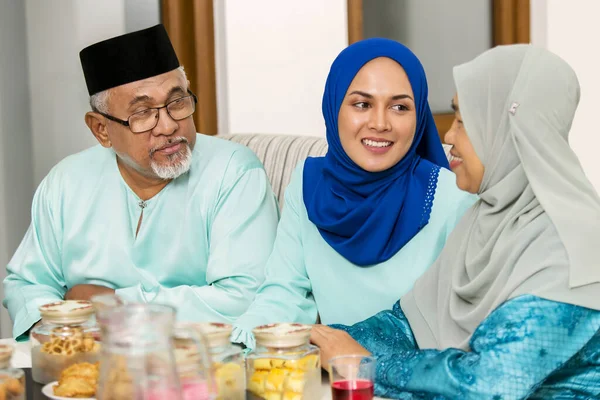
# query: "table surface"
{"type": "Point", "coordinates": [22, 359]}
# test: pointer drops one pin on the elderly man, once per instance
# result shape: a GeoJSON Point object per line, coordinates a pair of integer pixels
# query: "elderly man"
{"type": "Point", "coordinates": [156, 212]}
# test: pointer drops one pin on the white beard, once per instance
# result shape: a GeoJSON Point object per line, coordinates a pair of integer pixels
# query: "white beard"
{"type": "Point", "coordinates": [179, 163]}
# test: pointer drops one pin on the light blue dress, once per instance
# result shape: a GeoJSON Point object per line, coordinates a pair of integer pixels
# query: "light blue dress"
{"type": "Point", "coordinates": [201, 247]}
{"type": "Point", "coordinates": [527, 348]}
{"type": "Point", "coordinates": [304, 273]}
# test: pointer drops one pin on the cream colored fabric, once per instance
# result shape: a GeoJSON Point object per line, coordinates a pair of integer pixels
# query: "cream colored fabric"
{"type": "Point", "coordinates": [280, 154]}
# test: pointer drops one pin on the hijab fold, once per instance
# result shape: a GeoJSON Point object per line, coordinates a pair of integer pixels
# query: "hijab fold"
{"type": "Point", "coordinates": [368, 216]}
{"type": "Point", "coordinates": [536, 227]}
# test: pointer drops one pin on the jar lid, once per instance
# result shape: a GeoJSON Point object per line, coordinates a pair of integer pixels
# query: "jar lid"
{"type": "Point", "coordinates": [282, 335]}
{"type": "Point", "coordinates": [68, 312]}
{"type": "Point", "coordinates": [216, 333]}
{"type": "Point", "coordinates": [6, 352]}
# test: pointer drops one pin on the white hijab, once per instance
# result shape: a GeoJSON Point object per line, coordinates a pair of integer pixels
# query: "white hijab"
{"type": "Point", "coordinates": [536, 227]}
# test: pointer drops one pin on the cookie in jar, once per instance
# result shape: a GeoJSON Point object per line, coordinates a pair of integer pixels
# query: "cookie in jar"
{"type": "Point", "coordinates": [12, 380]}
{"type": "Point", "coordinates": [67, 335]}
{"type": "Point", "coordinates": [284, 365]}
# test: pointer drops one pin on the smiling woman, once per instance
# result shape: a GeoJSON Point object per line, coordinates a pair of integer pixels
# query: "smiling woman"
{"type": "Point", "coordinates": [361, 224]}
{"type": "Point", "coordinates": [377, 118]}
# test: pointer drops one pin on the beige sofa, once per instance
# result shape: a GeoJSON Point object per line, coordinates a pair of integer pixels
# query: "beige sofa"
{"type": "Point", "coordinates": [281, 153]}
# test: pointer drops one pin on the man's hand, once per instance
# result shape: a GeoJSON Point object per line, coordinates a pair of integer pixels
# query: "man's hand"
{"type": "Point", "coordinates": [85, 292]}
{"type": "Point", "coordinates": [334, 342]}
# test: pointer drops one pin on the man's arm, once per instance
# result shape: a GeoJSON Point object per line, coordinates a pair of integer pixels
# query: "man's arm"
{"type": "Point", "coordinates": [241, 238]}
{"type": "Point", "coordinates": [286, 294]}
{"type": "Point", "coordinates": [35, 271]}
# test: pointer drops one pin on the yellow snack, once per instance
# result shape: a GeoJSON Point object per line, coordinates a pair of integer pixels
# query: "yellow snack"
{"type": "Point", "coordinates": [14, 386]}
{"type": "Point", "coordinates": [226, 376]}
{"type": "Point", "coordinates": [257, 382]}
{"type": "Point", "coordinates": [275, 379]}
{"type": "Point", "coordinates": [309, 362]}
{"type": "Point", "coordinates": [262, 364]}
{"type": "Point", "coordinates": [292, 396]}
{"type": "Point", "coordinates": [295, 382]}
{"type": "Point", "coordinates": [84, 370]}
{"type": "Point", "coordinates": [78, 380]}
{"type": "Point", "coordinates": [74, 386]}
{"type": "Point", "coordinates": [272, 396]}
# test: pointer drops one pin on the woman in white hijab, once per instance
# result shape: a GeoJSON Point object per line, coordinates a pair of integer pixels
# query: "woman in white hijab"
{"type": "Point", "coordinates": [510, 309]}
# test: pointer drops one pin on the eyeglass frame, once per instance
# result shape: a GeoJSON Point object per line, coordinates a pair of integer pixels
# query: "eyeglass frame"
{"type": "Point", "coordinates": [126, 122]}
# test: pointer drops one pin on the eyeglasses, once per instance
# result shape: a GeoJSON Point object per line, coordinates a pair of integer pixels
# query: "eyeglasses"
{"type": "Point", "coordinates": [146, 120]}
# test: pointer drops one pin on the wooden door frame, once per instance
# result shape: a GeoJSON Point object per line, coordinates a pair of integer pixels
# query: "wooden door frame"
{"type": "Point", "coordinates": [190, 25]}
{"type": "Point", "coordinates": [510, 24]}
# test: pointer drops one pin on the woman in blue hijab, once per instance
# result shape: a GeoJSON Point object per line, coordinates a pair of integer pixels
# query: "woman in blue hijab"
{"type": "Point", "coordinates": [361, 224]}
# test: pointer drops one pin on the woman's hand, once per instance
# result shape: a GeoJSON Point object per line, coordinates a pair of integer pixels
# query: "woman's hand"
{"type": "Point", "coordinates": [334, 343]}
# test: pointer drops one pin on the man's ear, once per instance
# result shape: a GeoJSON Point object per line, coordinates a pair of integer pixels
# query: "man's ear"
{"type": "Point", "coordinates": [97, 124]}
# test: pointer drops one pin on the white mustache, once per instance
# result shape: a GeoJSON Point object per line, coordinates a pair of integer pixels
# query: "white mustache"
{"type": "Point", "coordinates": [172, 142]}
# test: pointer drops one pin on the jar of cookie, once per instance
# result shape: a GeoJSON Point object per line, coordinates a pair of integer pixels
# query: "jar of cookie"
{"type": "Point", "coordinates": [284, 365]}
{"type": "Point", "coordinates": [227, 361]}
{"type": "Point", "coordinates": [67, 335]}
{"type": "Point", "coordinates": [12, 380]}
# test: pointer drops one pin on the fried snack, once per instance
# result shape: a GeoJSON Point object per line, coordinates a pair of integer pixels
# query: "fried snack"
{"type": "Point", "coordinates": [11, 388]}
{"type": "Point", "coordinates": [83, 370]}
{"type": "Point", "coordinates": [75, 387]}
{"type": "Point", "coordinates": [78, 381]}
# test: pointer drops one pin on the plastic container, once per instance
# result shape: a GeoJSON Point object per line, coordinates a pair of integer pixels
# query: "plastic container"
{"type": "Point", "coordinates": [284, 365]}
{"type": "Point", "coordinates": [67, 335]}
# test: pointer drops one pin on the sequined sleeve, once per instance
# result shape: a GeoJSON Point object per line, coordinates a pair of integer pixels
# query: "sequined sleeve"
{"type": "Point", "coordinates": [512, 352]}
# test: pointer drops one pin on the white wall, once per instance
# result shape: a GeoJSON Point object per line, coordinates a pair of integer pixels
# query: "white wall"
{"type": "Point", "coordinates": [43, 96]}
{"type": "Point", "coordinates": [276, 55]}
{"type": "Point", "coordinates": [571, 30]}
{"type": "Point", "coordinates": [56, 32]}
{"type": "Point", "coordinates": [16, 176]}
{"type": "Point", "coordinates": [141, 14]}
{"type": "Point", "coordinates": [441, 33]}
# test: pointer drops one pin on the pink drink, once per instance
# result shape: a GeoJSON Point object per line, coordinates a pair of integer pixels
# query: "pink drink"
{"type": "Point", "coordinates": [352, 390]}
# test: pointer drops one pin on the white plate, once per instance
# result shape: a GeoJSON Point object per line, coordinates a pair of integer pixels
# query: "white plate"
{"type": "Point", "coordinates": [48, 391]}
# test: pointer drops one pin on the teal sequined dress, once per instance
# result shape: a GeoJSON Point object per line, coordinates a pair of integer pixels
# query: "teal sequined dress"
{"type": "Point", "coordinates": [527, 348]}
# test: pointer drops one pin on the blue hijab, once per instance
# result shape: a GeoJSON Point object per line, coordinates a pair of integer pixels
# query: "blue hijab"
{"type": "Point", "coordinates": [367, 217]}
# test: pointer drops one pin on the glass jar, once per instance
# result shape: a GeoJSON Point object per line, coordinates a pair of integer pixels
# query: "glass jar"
{"type": "Point", "coordinates": [67, 335]}
{"type": "Point", "coordinates": [140, 357]}
{"type": "Point", "coordinates": [228, 364]}
{"type": "Point", "coordinates": [284, 365]}
{"type": "Point", "coordinates": [12, 380]}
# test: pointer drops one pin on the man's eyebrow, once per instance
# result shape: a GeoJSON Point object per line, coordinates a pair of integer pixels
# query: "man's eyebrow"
{"type": "Point", "coordinates": [176, 90]}
{"type": "Point", "coordinates": [139, 99]}
{"type": "Point", "coordinates": [142, 98]}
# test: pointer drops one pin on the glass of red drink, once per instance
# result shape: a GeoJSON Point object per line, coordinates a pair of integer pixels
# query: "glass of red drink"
{"type": "Point", "coordinates": [352, 377]}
